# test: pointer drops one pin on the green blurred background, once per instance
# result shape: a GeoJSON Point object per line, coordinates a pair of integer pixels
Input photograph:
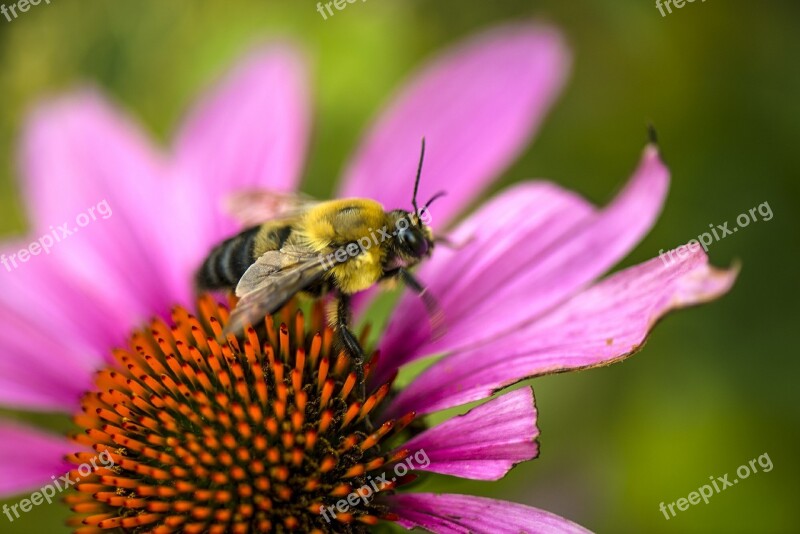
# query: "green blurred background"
{"type": "Point", "coordinates": [715, 386]}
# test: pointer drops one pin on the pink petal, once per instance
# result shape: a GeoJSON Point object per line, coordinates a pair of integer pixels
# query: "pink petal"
{"type": "Point", "coordinates": [601, 325]}
{"type": "Point", "coordinates": [55, 334]}
{"type": "Point", "coordinates": [526, 251]}
{"type": "Point", "coordinates": [249, 132]}
{"type": "Point", "coordinates": [477, 105]}
{"type": "Point", "coordinates": [462, 514]}
{"type": "Point", "coordinates": [30, 459]}
{"type": "Point", "coordinates": [135, 259]}
{"type": "Point", "coordinates": [89, 169]}
{"type": "Point", "coordinates": [84, 163]}
{"type": "Point", "coordinates": [486, 442]}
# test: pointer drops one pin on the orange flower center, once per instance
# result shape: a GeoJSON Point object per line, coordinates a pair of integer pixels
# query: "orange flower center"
{"type": "Point", "coordinates": [217, 434]}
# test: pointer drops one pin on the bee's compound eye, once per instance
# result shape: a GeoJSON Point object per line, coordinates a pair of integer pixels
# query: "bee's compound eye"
{"type": "Point", "coordinates": [413, 242]}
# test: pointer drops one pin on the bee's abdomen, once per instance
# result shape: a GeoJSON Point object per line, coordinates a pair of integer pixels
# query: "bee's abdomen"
{"type": "Point", "coordinates": [228, 261]}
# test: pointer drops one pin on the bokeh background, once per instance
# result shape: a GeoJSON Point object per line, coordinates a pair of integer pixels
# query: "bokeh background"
{"type": "Point", "coordinates": [714, 387]}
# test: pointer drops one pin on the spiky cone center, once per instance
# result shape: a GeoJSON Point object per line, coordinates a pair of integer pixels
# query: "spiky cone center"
{"type": "Point", "coordinates": [210, 433]}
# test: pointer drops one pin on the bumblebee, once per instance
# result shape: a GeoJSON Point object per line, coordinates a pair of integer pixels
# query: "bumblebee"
{"type": "Point", "coordinates": [339, 246]}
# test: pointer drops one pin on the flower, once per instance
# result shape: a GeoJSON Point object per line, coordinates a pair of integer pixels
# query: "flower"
{"type": "Point", "coordinates": [535, 252]}
{"type": "Point", "coordinates": [207, 434]}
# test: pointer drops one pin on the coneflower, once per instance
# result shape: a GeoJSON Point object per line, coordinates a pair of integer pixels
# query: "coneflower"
{"type": "Point", "coordinates": [263, 433]}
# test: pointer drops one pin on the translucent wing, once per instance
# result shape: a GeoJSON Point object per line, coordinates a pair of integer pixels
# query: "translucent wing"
{"type": "Point", "coordinates": [271, 281]}
{"type": "Point", "coordinates": [255, 206]}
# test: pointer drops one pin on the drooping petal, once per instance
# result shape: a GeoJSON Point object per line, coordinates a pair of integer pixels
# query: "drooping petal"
{"type": "Point", "coordinates": [462, 514]}
{"type": "Point", "coordinates": [477, 106]}
{"type": "Point", "coordinates": [29, 459]}
{"type": "Point", "coordinates": [524, 252]}
{"type": "Point", "coordinates": [249, 132]}
{"type": "Point", "coordinates": [91, 182]}
{"type": "Point", "coordinates": [601, 325]}
{"type": "Point", "coordinates": [483, 444]}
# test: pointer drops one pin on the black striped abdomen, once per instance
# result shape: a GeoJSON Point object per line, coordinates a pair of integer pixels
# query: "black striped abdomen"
{"type": "Point", "coordinates": [228, 261]}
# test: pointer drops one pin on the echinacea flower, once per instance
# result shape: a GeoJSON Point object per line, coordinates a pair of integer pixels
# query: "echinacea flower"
{"type": "Point", "coordinates": [210, 434]}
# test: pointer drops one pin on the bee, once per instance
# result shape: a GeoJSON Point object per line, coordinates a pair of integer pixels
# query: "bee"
{"type": "Point", "coordinates": [306, 247]}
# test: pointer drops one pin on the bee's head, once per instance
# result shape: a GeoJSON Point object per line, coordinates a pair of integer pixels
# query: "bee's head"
{"type": "Point", "coordinates": [414, 237]}
{"type": "Point", "coordinates": [417, 239]}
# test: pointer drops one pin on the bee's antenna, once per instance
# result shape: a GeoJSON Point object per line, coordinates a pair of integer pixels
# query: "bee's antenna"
{"type": "Point", "coordinates": [419, 174]}
{"type": "Point", "coordinates": [435, 197]}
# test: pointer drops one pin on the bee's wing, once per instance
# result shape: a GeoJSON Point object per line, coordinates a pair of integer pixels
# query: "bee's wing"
{"type": "Point", "coordinates": [271, 281]}
{"type": "Point", "coordinates": [252, 207]}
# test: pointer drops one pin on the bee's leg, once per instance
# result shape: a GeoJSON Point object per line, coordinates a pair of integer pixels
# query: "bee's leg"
{"type": "Point", "coordinates": [352, 345]}
{"type": "Point", "coordinates": [435, 312]}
